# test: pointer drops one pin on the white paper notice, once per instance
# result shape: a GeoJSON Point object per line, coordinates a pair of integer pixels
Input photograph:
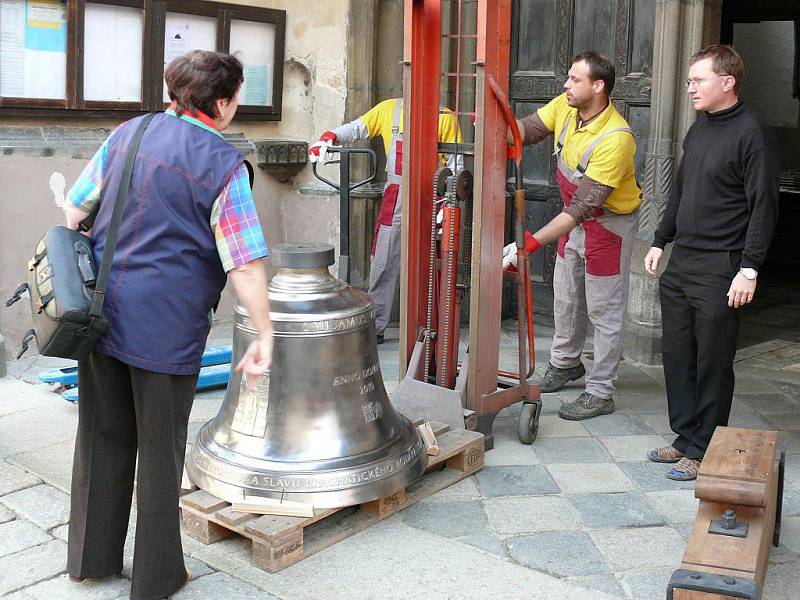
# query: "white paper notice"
{"type": "Point", "coordinates": [12, 49]}
{"type": "Point", "coordinates": [183, 33]}
{"type": "Point", "coordinates": [45, 12]}
{"type": "Point", "coordinates": [255, 43]}
{"type": "Point", "coordinates": [112, 68]}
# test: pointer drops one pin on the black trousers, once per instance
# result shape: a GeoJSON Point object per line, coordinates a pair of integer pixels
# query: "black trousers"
{"type": "Point", "coordinates": [124, 410]}
{"type": "Point", "coordinates": [699, 344]}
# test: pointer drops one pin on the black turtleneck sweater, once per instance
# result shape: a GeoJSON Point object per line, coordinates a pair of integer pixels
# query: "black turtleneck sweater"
{"type": "Point", "coordinates": [725, 195]}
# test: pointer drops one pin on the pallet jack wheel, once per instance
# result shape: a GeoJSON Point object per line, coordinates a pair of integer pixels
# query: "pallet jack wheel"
{"type": "Point", "coordinates": [528, 423]}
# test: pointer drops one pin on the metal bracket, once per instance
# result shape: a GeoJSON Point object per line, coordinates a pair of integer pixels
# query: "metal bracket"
{"type": "Point", "coordinates": [728, 525]}
{"type": "Point", "coordinates": [725, 585]}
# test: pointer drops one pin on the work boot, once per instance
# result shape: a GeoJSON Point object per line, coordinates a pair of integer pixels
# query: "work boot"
{"type": "Point", "coordinates": [556, 378]}
{"type": "Point", "coordinates": [585, 407]}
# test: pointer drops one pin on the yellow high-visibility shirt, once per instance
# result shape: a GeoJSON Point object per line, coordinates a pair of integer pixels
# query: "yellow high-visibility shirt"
{"type": "Point", "coordinates": [612, 159]}
{"type": "Point", "coordinates": [379, 120]}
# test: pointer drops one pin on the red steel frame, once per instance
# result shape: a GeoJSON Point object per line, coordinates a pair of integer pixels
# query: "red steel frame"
{"type": "Point", "coordinates": [422, 55]}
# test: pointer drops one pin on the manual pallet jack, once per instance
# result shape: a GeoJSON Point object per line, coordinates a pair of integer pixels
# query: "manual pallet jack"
{"type": "Point", "coordinates": [215, 372]}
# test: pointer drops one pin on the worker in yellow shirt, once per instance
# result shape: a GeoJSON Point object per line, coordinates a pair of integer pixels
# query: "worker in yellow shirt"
{"type": "Point", "coordinates": [385, 119]}
{"type": "Point", "coordinates": [595, 149]}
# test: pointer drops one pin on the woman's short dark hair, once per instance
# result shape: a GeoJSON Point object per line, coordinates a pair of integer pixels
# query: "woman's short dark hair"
{"type": "Point", "coordinates": [600, 68]}
{"type": "Point", "coordinates": [199, 78]}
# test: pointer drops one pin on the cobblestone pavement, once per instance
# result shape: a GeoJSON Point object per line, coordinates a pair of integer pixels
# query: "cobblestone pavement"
{"type": "Point", "coordinates": [580, 514]}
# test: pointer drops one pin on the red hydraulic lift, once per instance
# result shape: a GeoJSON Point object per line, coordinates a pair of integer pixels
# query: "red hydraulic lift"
{"type": "Point", "coordinates": [477, 40]}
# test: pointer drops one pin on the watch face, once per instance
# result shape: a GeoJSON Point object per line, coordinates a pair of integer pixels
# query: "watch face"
{"type": "Point", "coordinates": [749, 273]}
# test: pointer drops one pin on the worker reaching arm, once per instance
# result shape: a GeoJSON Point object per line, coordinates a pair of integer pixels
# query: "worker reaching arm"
{"type": "Point", "coordinates": [385, 119]}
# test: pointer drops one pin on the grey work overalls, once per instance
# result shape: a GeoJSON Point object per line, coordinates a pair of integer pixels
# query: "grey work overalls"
{"type": "Point", "coordinates": [590, 282]}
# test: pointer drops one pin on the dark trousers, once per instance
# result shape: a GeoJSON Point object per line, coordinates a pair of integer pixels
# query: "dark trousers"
{"type": "Point", "coordinates": [699, 344]}
{"type": "Point", "coordinates": [122, 410]}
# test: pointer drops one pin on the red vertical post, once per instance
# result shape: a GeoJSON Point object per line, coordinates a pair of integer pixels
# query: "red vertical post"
{"type": "Point", "coordinates": [421, 67]}
{"type": "Point", "coordinates": [493, 58]}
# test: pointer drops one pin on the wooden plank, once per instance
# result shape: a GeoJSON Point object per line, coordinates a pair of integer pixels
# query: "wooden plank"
{"type": "Point", "coordinates": [268, 506]}
{"type": "Point", "coordinates": [690, 595]}
{"type": "Point", "coordinates": [202, 529]}
{"type": "Point", "coordinates": [428, 437]}
{"type": "Point", "coordinates": [229, 516]}
{"type": "Point", "coordinates": [386, 505]}
{"type": "Point", "coordinates": [203, 502]}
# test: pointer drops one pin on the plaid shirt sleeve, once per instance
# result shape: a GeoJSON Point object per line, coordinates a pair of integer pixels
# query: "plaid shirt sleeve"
{"type": "Point", "coordinates": [234, 222]}
{"type": "Point", "coordinates": [85, 192]}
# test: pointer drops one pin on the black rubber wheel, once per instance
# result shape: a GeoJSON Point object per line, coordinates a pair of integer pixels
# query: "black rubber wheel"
{"type": "Point", "coordinates": [528, 423]}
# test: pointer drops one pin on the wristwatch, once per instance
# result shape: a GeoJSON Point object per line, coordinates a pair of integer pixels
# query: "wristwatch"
{"type": "Point", "coordinates": [748, 273]}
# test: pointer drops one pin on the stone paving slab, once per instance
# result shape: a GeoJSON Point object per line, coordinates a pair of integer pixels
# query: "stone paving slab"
{"type": "Point", "coordinates": [516, 515]}
{"type": "Point", "coordinates": [42, 505]}
{"type": "Point", "coordinates": [12, 478]}
{"type": "Point", "coordinates": [61, 588]}
{"type": "Point", "coordinates": [648, 584]}
{"type": "Point", "coordinates": [55, 423]}
{"type": "Point", "coordinates": [630, 448]}
{"type": "Point", "coordinates": [750, 420]}
{"type": "Point", "coordinates": [488, 543]}
{"type": "Point", "coordinates": [52, 463]}
{"type": "Point", "coordinates": [220, 586]}
{"type": "Point", "coordinates": [640, 403]}
{"type": "Point", "coordinates": [649, 476]}
{"type": "Point", "coordinates": [790, 533]}
{"type": "Point", "coordinates": [784, 421]}
{"type": "Point", "coordinates": [642, 548]}
{"type": "Point", "coordinates": [466, 489]}
{"type": "Point", "coordinates": [392, 560]}
{"type": "Point", "coordinates": [560, 553]}
{"type": "Point", "coordinates": [19, 535]}
{"type": "Point", "coordinates": [457, 518]}
{"type": "Point", "coordinates": [515, 480]}
{"type": "Point", "coordinates": [590, 478]}
{"type": "Point", "coordinates": [607, 511]}
{"type": "Point", "coordinates": [570, 450]}
{"type": "Point", "coordinates": [61, 533]}
{"type": "Point", "coordinates": [676, 506]}
{"type": "Point", "coordinates": [769, 402]}
{"type": "Point", "coordinates": [781, 582]}
{"type": "Point", "coordinates": [553, 426]}
{"type": "Point", "coordinates": [605, 583]}
{"type": "Point", "coordinates": [6, 514]}
{"type": "Point", "coordinates": [659, 422]}
{"type": "Point", "coordinates": [18, 396]}
{"type": "Point", "coordinates": [618, 424]}
{"type": "Point", "coordinates": [32, 565]}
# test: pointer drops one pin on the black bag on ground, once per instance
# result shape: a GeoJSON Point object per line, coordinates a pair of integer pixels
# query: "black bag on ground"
{"type": "Point", "coordinates": [66, 290]}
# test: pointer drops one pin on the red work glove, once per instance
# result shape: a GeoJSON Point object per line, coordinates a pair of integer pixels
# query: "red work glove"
{"type": "Point", "coordinates": [317, 150]}
{"type": "Point", "coordinates": [510, 251]}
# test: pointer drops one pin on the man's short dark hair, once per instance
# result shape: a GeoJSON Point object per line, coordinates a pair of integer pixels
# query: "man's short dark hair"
{"type": "Point", "coordinates": [600, 68]}
{"type": "Point", "coordinates": [725, 61]}
{"type": "Point", "coordinates": [199, 78]}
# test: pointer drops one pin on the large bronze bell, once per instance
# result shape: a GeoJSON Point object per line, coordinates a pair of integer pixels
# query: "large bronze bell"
{"type": "Point", "coordinates": [318, 427]}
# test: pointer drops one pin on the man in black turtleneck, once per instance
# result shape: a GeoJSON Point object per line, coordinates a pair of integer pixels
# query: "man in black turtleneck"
{"type": "Point", "coordinates": [720, 217]}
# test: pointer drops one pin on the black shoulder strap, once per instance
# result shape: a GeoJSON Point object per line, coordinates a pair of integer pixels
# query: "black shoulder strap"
{"type": "Point", "coordinates": [96, 309]}
{"type": "Point", "coordinates": [250, 172]}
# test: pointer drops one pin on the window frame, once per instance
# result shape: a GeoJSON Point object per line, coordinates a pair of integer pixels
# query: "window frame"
{"type": "Point", "coordinates": [154, 17]}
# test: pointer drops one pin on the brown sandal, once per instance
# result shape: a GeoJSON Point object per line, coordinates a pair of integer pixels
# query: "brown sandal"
{"type": "Point", "coordinates": [665, 454]}
{"type": "Point", "coordinates": [685, 470]}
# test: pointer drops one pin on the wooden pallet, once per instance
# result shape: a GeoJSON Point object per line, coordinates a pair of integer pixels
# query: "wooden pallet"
{"type": "Point", "coordinates": [280, 541]}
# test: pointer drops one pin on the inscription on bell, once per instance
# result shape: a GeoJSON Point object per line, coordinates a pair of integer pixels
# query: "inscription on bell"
{"type": "Point", "coordinates": [251, 413]}
{"type": "Point", "coordinates": [357, 376]}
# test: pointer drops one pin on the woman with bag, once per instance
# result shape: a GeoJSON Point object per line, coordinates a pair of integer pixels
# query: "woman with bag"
{"type": "Point", "coordinates": [189, 223]}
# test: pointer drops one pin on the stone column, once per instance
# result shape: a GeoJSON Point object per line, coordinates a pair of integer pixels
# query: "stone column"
{"type": "Point", "coordinates": [682, 28]}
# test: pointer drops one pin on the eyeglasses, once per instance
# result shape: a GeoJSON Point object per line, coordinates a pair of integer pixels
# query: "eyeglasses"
{"type": "Point", "coordinates": [698, 83]}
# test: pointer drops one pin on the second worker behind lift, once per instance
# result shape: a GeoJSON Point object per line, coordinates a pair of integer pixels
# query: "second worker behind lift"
{"type": "Point", "coordinates": [595, 148]}
{"type": "Point", "coordinates": [385, 119]}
